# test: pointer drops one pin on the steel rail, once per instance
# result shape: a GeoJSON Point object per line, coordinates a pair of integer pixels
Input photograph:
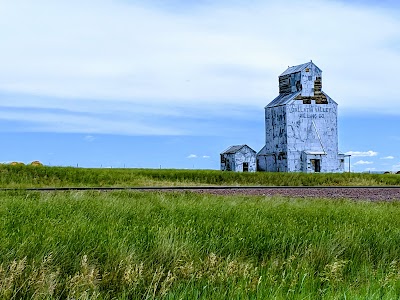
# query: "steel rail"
{"type": "Point", "coordinates": [178, 188]}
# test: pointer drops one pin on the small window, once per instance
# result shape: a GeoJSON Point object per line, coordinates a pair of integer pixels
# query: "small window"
{"type": "Point", "coordinates": [298, 85]}
{"type": "Point", "coordinates": [245, 167]}
{"type": "Point", "coordinates": [307, 70]}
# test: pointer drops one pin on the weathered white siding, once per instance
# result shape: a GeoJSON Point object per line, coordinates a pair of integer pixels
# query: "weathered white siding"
{"type": "Point", "coordinates": [266, 161]}
{"type": "Point", "coordinates": [276, 135]}
{"type": "Point", "coordinates": [301, 126]}
{"type": "Point", "coordinates": [239, 158]}
{"type": "Point", "coordinates": [308, 77]}
{"type": "Point", "coordinates": [312, 128]}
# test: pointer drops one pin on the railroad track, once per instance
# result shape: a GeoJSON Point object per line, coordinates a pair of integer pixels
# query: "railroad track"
{"type": "Point", "coordinates": [374, 193]}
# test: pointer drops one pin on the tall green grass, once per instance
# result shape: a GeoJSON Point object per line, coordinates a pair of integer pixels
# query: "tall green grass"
{"type": "Point", "coordinates": [132, 245]}
{"type": "Point", "coordinates": [30, 176]}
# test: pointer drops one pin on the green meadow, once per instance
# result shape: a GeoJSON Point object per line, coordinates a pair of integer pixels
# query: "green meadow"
{"type": "Point", "coordinates": [37, 176]}
{"type": "Point", "coordinates": [138, 245]}
{"type": "Point", "coordinates": [183, 245]}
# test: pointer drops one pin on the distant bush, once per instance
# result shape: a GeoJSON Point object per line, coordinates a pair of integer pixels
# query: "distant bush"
{"type": "Point", "coordinates": [36, 163]}
{"type": "Point", "coordinates": [16, 163]}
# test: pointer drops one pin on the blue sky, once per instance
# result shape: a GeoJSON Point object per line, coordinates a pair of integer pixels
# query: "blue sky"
{"type": "Point", "coordinates": [173, 83]}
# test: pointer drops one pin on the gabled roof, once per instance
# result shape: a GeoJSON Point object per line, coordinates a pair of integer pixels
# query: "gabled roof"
{"type": "Point", "coordinates": [235, 148]}
{"type": "Point", "coordinates": [284, 99]}
{"type": "Point", "coordinates": [299, 68]}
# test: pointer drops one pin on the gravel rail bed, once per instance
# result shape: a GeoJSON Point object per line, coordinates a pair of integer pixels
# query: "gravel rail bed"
{"type": "Point", "coordinates": [361, 193]}
{"type": "Point", "coordinates": [375, 193]}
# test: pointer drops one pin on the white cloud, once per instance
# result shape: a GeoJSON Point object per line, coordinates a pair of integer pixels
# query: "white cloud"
{"type": "Point", "coordinates": [192, 156]}
{"type": "Point", "coordinates": [396, 167]}
{"type": "Point", "coordinates": [218, 52]}
{"type": "Point", "coordinates": [206, 156]}
{"type": "Point", "coordinates": [362, 154]}
{"type": "Point", "coordinates": [387, 157]}
{"type": "Point", "coordinates": [107, 57]}
{"type": "Point", "coordinates": [89, 138]}
{"type": "Point", "coordinates": [68, 122]}
{"type": "Point", "coordinates": [363, 162]}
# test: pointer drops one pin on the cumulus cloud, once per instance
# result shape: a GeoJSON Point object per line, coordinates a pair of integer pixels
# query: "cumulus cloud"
{"type": "Point", "coordinates": [387, 157]}
{"type": "Point", "coordinates": [76, 59]}
{"type": "Point", "coordinates": [363, 162]}
{"type": "Point", "coordinates": [192, 156]}
{"type": "Point", "coordinates": [206, 156]}
{"type": "Point", "coordinates": [362, 154]}
{"type": "Point", "coordinates": [396, 167]}
{"type": "Point", "coordinates": [216, 53]}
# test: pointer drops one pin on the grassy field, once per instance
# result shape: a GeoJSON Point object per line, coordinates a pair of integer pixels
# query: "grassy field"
{"type": "Point", "coordinates": [30, 176]}
{"type": "Point", "coordinates": [133, 245]}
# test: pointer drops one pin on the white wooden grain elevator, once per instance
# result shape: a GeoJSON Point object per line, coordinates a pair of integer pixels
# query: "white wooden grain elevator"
{"type": "Point", "coordinates": [301, 132]}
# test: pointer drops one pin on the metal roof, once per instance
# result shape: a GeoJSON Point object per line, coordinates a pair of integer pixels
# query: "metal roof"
{"type": "Point", "coordinates": [345, 155]}
{"type": "Point", "coordinates": [263, 152]}
{"type": "Point", "coordinates": [299, 68]}
{"type": "Point", "coordinates": [284, 99]}
{"type": "Point", "coordinates": [314, 152]}
{"type": "Point", "coordinates": [235, 148]}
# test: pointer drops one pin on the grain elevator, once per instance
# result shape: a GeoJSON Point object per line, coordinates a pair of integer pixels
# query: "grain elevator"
{"type": "Point", "coordinates": [301, 133]}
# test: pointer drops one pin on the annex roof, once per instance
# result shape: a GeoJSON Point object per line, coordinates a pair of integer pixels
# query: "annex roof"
{"type": "Point", "coordinates": [263, 152]}
{"type": "Point", "coordinates": [314, 152]}
{"type": "Point", "coordinates": [235, 148]}
{"type": "Point", "coordinates": [299, 68]}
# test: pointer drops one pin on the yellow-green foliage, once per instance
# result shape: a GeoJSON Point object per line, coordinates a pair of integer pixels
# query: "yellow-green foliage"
{"type": "Point", "coordinates": [36, 163]}
{"type": "Point", "coordinates": [29, 176]}
{"type": "Point", "coordinates": [16, 163]}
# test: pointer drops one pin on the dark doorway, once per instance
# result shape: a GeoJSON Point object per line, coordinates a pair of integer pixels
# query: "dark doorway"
{"type": "Point", "coordinates": [245, 167]}
{"type": "Point", "coordinates": [316, 163]}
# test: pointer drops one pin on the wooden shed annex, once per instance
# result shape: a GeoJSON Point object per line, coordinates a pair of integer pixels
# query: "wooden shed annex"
{"type": "Point", "coordinates": [238, 158]}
